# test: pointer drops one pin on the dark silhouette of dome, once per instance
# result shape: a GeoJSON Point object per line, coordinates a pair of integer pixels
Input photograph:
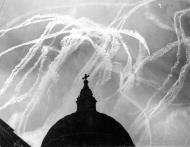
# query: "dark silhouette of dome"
{"type": "Point", "coordinates": [87, 127]}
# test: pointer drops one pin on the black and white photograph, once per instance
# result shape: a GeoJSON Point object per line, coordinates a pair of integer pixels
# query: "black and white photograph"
{"type": "Point", "coordinates": [94, 73]}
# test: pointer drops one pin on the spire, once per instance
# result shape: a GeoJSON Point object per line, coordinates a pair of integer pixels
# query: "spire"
{"type": "Point", "coordinates": [86, 101]}
{"type": "Point", "coordinates": [86, 91]}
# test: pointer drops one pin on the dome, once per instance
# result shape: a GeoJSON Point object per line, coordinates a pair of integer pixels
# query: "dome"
{"type": "Point", "coordinates": [87, 127]}
{"type": "Point", "coordinates": [91, 128]}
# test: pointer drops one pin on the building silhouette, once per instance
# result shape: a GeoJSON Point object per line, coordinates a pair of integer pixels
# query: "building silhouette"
{"type": "Point", "coordinates": [8, 138]}
{"type": "Point", "coordinates": [87, 127]}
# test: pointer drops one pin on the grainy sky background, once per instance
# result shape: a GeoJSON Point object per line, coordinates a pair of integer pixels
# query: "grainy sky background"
{"type": "Point", "coordinates": [153, 21]}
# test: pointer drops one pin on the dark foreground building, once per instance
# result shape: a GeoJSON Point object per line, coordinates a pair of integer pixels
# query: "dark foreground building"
{"type": "Point", "coordinates": [87, 127]}
{"type": "Point", "coordinates": [8, 138]}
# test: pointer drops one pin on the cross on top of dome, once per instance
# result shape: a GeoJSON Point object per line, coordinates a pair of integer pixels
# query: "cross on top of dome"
{"type": "Point", "coordinates": [85, 79]}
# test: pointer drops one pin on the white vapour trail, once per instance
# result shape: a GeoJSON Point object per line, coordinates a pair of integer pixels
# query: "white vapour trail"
{"type": "Point", "coordinates": [70, 23]}
{"type": "Point", "coordinates": [158, 22]}
{"type": "Point", "coordinates": [95, 66]}
{"type": "Point", "coordinates": [32, 51]}
{"type": "Point", "coordinates": [120, 19]}
{"type": "Point", "coordinates": [37, 45]}
{"type": "Point", "coordinates": [132, 11]}
{"type": "Point", "coordinates": [177, 86]}
{"type": "Point", "coordinates": [37, 19]}
{"type": "Point", "coordinates": [44, 53]}
{"type": "Point", "coordinates": [106, 42]}
{"type": "Point", "coordinates": [67, 47]}
{"type": "Point", "coordinates": [184, 69]}
{"type": "Point", "coordinates": [16, 97]}
{"type": "Point", "coordinates": [30, 93]}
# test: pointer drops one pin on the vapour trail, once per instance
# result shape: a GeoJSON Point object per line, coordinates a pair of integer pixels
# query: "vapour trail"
{"type": "Point", "coordinates": [106, 42]}
{"type": "Point", "coordinates": [178, 84]}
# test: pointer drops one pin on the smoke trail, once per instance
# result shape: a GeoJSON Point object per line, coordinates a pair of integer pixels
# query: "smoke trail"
{"type": "Point", "coordinates": [106, 42]}
{"type": "Point", "coordinates": [177, 86]}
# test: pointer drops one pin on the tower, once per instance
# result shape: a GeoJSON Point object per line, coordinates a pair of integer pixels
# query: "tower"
{"type": "Point", "coordinates": [86, 102]}
{"type": "Point", "coordinates": [86, 126]}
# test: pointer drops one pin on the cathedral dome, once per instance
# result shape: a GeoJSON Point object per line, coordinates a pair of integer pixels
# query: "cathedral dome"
{"type": "Point", "coordinates": [87, 127]}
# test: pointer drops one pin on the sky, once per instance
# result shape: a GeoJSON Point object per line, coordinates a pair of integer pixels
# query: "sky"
{"type": "Point", "coordinates": [136, 52]}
